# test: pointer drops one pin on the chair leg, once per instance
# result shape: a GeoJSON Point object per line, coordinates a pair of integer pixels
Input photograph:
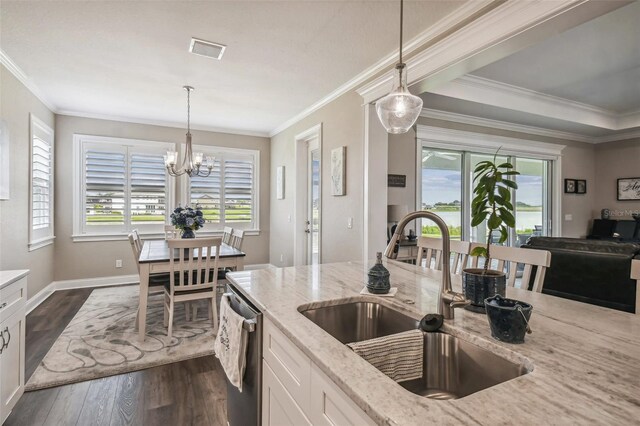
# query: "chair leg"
{"type": "Point", "coordinates": [195, 311]}
{"type": "Point", "coordinates": [171, 308]}
{"type": "Point", "coordinates": [166, 310]}
{"type": "Point", "coordinates": [135, 327]}
{"type": "Point", "coordinates": [214, 314]}
{"type": "Point", "coordinates": [187, 307]}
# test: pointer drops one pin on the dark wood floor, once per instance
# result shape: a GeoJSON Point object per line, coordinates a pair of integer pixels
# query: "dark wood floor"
{"type": "Point", "coordinates": [190, 392]}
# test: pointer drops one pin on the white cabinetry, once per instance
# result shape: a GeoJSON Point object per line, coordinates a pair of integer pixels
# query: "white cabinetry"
{"type": "Point", "coordinates": [296, 392]}
{"type": "Point", "coordinates": [13, 295]}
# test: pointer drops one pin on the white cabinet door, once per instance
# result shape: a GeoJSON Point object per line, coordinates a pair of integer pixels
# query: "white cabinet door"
{"type": "Point", "coordinates": [278, 407]}
{"type": "Point", "coordinates": [12, 362]}
{"type": "Point", "coordinates": [330, 406]}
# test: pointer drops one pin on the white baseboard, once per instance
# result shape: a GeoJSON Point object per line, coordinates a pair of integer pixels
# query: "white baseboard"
{"type": "Point", "coordinates": [43, 294]}
{"type": "Point", "coordinates": [258, 266]}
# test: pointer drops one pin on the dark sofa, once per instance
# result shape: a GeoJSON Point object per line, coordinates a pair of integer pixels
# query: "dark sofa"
{"type": "Point", "coordinates": [591, 271]}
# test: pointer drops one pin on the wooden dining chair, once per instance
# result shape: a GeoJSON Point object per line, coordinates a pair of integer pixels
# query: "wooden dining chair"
{"type": "Point", "coordinates": [226, 235]}
{"type": "Point", "coordinates": [192, 276]}
{"type": "Point", "coordinates": [236, 239]}
{"type": "Point", "coordinates": [509, 257]}
{"type": "Point", "coordinates": [170, 232]}
{"type": "Point", "coordinates": [635, 275]}
{"type": "Point", "coordinates": [156, 281]}
{"type": "Point", "coordinates": [430, 250]}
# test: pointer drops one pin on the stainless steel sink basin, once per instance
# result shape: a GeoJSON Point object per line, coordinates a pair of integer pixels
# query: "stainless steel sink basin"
{"type": "Point", "coordinates": [453, 368]}
{"type": "Point", "coordinates": [358, 321]}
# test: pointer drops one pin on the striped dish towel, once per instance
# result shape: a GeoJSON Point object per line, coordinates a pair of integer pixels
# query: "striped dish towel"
{"type": "Point", "coordinates": [399, 356]}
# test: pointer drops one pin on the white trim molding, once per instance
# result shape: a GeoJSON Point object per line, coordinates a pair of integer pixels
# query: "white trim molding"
{"type": "Point", "coordinates": [455, 18]}
{"type": "Point", "coordinates": [23, 78]}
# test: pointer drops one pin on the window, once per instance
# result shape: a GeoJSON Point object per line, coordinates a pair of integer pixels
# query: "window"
{"type": "Point", "coordinates": [229, 197]}
{"type": "Point", "coordinates": [122, 184]}
{"type": "Point", "coordinates": [41, 185]}
{"type": "Point", "coordinates": [445, 182]}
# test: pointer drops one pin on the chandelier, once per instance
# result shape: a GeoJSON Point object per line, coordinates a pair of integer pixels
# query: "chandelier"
{"type": "Point", "coordinates": [193, 164]}
{"type": "Point", "coordinates": [399, 110]}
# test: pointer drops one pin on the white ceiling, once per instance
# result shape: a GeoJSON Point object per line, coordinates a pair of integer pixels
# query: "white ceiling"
{"type": "Point", "coordinates": [130, 59]}
{"type": "Point", "coordinates": [596, 65]}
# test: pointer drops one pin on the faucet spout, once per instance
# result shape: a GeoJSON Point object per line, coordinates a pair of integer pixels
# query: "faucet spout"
{"type": "Point", "coordinates": [447, 298]}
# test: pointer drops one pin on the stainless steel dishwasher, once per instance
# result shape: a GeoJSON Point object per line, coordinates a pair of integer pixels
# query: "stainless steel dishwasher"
{"type": "Point", "coordinates": [245, 408]}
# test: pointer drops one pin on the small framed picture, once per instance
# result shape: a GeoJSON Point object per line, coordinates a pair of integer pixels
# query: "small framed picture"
{"type": "Point", "coordinates": [570, 186]}
{"type": "Point", "coordinates": [629, 189]}
{"type": "Point", "coordinates": [581, 186]}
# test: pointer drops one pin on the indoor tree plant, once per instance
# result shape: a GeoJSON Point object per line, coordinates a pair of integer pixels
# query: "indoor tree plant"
{"type": "Point", "coordinates": [491, 202]}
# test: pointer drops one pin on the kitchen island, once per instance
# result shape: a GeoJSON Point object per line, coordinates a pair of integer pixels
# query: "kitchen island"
{"type": "Point", "coordinates": [583, 360]}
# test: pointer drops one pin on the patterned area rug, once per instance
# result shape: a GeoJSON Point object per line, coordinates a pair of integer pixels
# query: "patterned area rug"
{"type": "Point", "coordinates": [100, 340]}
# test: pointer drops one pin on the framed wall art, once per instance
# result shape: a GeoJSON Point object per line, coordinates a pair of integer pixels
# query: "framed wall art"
{"type": "Point", "coordinates": [629, 189]}
{"type": "Point", "coordinates": [338, 170]}
{"type": "Point", "coordinates": [581, 186]}
{"type": "Point", "coordinates": [569, 186]}
{"type": "Point", "coordinates": [280, 183]}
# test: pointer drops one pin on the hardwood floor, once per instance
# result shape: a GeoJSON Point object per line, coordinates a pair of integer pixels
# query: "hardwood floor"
{"type": "Point", "coordinates": [191, 392]}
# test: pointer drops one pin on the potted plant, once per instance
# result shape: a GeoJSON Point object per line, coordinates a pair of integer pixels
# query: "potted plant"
{"type": "Point", "coordinates": [187, 220]}
{"type": "Point", "coordinates": [491, 202]}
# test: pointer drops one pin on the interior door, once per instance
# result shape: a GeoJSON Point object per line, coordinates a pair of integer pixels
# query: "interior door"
{"type": "Point", "coordinates": [314, 201]}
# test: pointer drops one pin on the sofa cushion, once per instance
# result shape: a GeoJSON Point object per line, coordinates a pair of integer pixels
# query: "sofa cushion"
{"type": "Point", "coordinates": [626, 229]}
{"type": "Point", "coordinates": [597, 246]}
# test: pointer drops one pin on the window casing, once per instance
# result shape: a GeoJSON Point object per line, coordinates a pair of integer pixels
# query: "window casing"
{"type": "Point", "coordinates": [121, 184]}
{"type": "Point", "coordinates": [41, 185]}
{"type": "Point", "coordinates": [230, 195]}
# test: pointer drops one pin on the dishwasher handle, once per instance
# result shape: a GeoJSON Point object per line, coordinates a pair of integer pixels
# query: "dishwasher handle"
{"type": "Point", "coordinates": [249, 324]}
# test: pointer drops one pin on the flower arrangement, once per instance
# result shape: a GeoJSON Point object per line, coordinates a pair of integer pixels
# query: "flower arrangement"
{"type": "Point", "coordinates": [188, 220]}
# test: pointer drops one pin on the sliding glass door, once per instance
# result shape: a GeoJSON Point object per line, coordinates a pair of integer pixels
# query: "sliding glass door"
{"type": "Point", "coordinates": [446, 188]}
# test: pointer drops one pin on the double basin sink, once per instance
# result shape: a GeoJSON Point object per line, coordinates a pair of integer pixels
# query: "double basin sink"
{"type": "Point", "coordinates": [453, 368]}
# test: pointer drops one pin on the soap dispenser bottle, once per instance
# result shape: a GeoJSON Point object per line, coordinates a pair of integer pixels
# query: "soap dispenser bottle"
{"type": "Point", "coordinates": [378, 277]}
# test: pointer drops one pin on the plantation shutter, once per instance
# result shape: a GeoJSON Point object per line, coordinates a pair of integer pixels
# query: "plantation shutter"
{"type": "Point", "coordinates": [238, 190]}
{"type": "Point", "coordinates": [41, 183]}
{"type": "Point", "coordinates": [205, 194]}
{"type": "Point", "coordinates": [105, 178]}
{"type": "Point", "coordinates": [148, 188]}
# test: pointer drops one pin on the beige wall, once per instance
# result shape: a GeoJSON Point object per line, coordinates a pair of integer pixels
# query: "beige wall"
{"type": "Point", "coordinates": [402, 161]}
{"type": "Point", "coordinates": [616, 160]}
{"type": "Point", "coordinates": [342, 125]}
{"type": "Point", "coordinates": [16, 103]}
{"type": "Point", "coordinates": [76, 260]}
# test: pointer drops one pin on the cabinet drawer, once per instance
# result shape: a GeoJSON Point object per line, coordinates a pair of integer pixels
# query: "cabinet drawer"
{"type": "Point", "coordinates": [290, 364]}
{"type": "Point", "coordinates": [330, 406]}
{"type": "Point", "coordinates": [12, 298]}
{"type": "Point", "coordinates": [278, 406]}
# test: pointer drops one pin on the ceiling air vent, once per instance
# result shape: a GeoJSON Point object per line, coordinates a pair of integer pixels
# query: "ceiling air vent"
{"type": "Point", "coordinates": [206, 48]}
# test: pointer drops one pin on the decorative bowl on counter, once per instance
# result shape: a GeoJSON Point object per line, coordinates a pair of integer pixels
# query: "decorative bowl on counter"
{"type": "Point", "coordinates": [508, 318]}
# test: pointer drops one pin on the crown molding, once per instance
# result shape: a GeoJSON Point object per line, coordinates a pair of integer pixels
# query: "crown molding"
{"type": "Point", "coordinates": [501, 24]}
{"type": "Point", "coordinates": [23, 78]}
{"type": "Point", "coordinates": [458, 16]}
{"type": "Point", "coordinates": [162, 123]}
{"type": "Point", "coordinates": [504, 125]}
{"type": "Point", "coordinates": [521, 128]}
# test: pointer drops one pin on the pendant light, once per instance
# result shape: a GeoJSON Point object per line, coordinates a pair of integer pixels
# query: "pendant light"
{"type": "Point", "coordinates": [192, 162]}
{"type": "Point", "coordinates": [399, 110]}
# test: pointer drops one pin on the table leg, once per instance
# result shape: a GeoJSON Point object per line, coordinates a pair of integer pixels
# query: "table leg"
{"type": "Point", "coordinates": [142, 303]}
{"type": "Point", "coordinates": [240, 263]}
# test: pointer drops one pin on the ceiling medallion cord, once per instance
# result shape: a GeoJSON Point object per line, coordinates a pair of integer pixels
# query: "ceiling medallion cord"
{"type": "Point", "coordinates": [399, 110]}
{"type": "Point", "coordinates": [191, 163]}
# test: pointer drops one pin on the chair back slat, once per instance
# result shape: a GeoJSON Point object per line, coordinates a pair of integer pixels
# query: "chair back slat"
{"type": "Point", "coordinates": [170, 232]}
{"type": "Point", "coordinates": [136, 249]}
{"type": "Point", "coordinates": [513, 256]}
{"type": "Point", "coordinates": [635, 275]}
{"type": "Point", "coordinates": [428, 248]}
{"type": "Point", "coordinates": [226, 235]}
{"type": "Point", "coordinates": [237, 237]}
{"type": "Point", "coordinates": [191, 261]}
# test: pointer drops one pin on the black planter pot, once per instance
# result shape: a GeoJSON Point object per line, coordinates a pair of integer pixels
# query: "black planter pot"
{"type": "Point", "coordinates": [478, 286]}
{"type": "Point", "coordinates": [508, 318]}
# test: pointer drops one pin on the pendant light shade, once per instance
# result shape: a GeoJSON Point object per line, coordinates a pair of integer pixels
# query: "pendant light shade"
{"type": "Point", "coordinates": [399, 110]}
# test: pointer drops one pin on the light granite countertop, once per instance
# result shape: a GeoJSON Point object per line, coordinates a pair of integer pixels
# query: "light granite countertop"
{"type": "Point", "coordinates": [8, 277]}
{"type": "Point", "coordinates": [585, 359]}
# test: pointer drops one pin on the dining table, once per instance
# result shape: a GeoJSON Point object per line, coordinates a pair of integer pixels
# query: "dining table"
{"type": "Point", "coordinates": [154, 259]}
